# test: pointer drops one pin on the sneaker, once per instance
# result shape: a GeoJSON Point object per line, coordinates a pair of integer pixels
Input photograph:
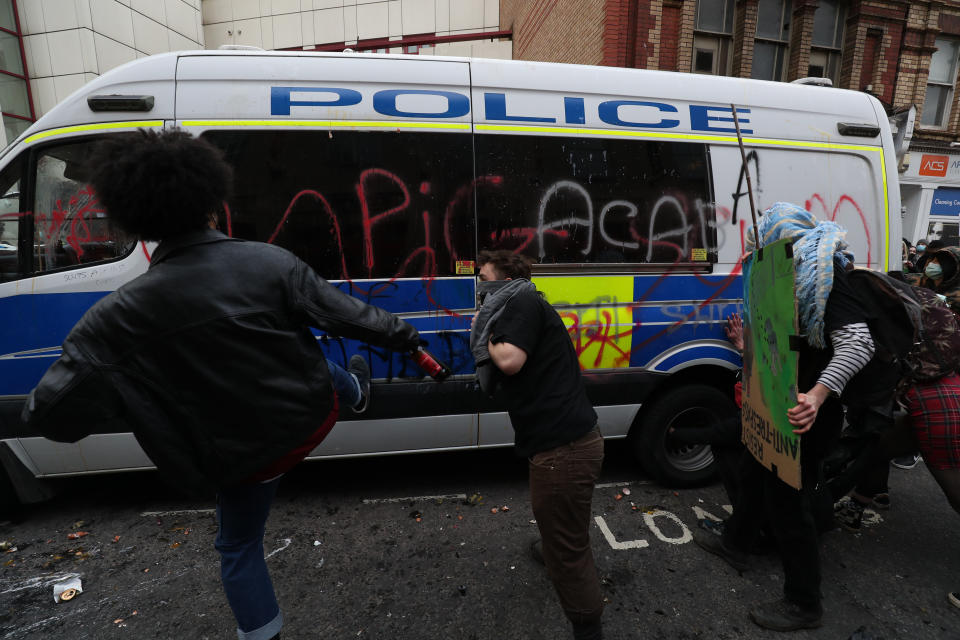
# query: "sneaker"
{"type": "Point", "coordinates": [784, 615]}
{"type": "Point", "coordinates": [715, 545]}
{"type": "Point", "coordinates": [361, 371]}
{"type": "Point", "coordinates": [848, 513]}
{"type": "Point", "coordinates": [881, 501]}
{"type": "Point", "coordinates": [536, 551]}
{"type": "Point", "coordinates": [954, 598]}
{"type": "Point", "coordinates": [906, 462]}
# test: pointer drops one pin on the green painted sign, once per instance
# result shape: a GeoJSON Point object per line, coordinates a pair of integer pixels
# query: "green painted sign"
{"type": "Point", "coordinates": [769, 366]}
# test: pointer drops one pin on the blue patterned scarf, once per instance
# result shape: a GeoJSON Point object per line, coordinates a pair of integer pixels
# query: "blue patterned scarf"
{"type": "Point", "coordinates": [816, 245]}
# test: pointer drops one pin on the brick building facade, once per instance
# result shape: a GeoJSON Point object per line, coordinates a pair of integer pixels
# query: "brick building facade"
{"type": "Point", "coordinates": [885, 47]}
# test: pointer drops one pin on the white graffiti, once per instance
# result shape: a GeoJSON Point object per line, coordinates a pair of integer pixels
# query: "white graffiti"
{"type": "Point", "coordinates": [670, 221]}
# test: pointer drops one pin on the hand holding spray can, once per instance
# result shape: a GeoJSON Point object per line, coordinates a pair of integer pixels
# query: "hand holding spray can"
{"type": "Point", "coordinates": [430, 365]}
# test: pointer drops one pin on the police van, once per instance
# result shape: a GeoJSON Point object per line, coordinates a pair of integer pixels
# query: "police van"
{"type": "Point", "coordinates": [388, 174]}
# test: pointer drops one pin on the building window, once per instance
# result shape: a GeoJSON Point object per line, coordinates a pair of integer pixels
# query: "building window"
{"type": "Point", "coordinates": [773, 38]}
{"type": "Point", "coordinates": [828, 23]}
{"type": "Point", "coordinates": [940, 84]}
{"type": "Point", "coordinates": [713, 37]}
{"type": "Point", "coordinates": [15, 102]}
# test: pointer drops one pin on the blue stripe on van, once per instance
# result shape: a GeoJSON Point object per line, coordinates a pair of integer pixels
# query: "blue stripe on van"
{"type": "Point", "coordinates": [412, 296]}
{"type": "Point", "coordinates": [701, 352]}
{"type": "Point", "coordinates": [41, 320]}
{"type": "Point", "coordinates": [666, 287]}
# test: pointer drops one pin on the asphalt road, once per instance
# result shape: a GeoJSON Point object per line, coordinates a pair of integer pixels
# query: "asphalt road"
{"type": "Point", "coordinates": [408, 547]}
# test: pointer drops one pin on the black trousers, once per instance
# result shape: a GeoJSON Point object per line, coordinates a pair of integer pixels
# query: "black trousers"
{"type": "Point", "coordinates": [789, 513]}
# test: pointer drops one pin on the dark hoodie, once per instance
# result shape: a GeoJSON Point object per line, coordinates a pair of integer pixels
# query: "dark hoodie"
{"type": "Point", "coordinates": [949, 259]}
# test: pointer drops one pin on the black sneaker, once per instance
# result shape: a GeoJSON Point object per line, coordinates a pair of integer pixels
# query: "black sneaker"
{"type": "Point", "coordinates": [361, 371]}
{"type": "Point", "coordinates": [954, 598]}
{"type": "Point", "coordinates": [906, 462]}
{"type": "Point", "coordinates": [536, 551]}
{"type": "Point", "coordinates": [848, 513]}
{"type": "Point", "coordinates": [715, 545]}
{"type": "Point", "coordinates": [784, 615]}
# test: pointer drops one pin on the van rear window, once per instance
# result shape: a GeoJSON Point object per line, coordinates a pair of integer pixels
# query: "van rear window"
{"type": "Point", "coordinates": [564, 200]}
{"type": "Point", "coordinates": [354, 204]}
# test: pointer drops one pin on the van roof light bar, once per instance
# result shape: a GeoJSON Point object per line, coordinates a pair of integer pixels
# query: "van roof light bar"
{"type": "Point", "coordinates": [858, 130]}
{"type": "Point", "coordinates": [118, 102]}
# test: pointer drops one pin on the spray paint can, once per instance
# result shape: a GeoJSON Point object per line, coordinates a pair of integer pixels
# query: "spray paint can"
{"type": "Point", "coordinates": [430, 365]}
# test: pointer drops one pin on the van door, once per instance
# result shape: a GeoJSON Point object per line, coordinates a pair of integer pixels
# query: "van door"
{"type": "Point", "coordinates": [362, 166]}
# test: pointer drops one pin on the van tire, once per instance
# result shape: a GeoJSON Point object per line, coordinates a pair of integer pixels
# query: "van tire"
{"type": "Point", "coordinates": [688, 405]}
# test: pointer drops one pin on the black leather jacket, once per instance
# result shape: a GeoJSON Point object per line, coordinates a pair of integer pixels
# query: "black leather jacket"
{"type": "Point", "coordinates": [208, 359]}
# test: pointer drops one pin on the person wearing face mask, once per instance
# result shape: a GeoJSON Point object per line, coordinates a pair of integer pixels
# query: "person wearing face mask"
{"type": "Point", "coordinates": [941, 273]}
{"type": "Point", "coordinates": [925, 251]}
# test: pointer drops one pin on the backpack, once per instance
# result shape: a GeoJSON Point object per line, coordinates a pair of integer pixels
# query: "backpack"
{"type": "Point", "coordinates": [911, 325]}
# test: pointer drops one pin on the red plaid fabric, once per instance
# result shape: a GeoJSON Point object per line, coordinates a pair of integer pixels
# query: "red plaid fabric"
{"type": "Point", "coordinates": [935, 414]}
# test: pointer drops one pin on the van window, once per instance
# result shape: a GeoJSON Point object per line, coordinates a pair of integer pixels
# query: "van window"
{"type": "Point", "coordinates": [354, 204]}
{"type": "Point", "coordinates": [70, 226]}
{"type": "Point", "coordinates": [596, 201]}
{"type": "Point", "coordinates": [11, 219]}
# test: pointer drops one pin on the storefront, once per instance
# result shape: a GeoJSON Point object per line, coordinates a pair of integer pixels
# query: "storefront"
{"type": "Point", "coordinates": [930, 196]}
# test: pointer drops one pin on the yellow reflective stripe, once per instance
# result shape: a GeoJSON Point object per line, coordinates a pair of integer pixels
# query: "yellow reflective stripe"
{"type": "Point", "coordinates": [886, 214]}
{"type": "Point", "coordinates": [675, 136]}
{"type": "Point", "coordinates": [379, 124]}
{"type": "Point", "coordinates": [100, 126]}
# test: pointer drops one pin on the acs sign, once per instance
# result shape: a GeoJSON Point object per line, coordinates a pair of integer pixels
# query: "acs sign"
{"type": "Point", "coordinates": [936, 166]}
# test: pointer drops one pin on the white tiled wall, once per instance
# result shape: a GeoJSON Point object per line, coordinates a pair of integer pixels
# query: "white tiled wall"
{"type": "Point", "coordinates": [69, 42]}
{"type": "Point", "coordinates": [302, 23]}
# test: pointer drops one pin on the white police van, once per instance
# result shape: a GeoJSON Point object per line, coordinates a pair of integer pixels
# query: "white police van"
{"type": "Point", "coordinates": [388, 174]}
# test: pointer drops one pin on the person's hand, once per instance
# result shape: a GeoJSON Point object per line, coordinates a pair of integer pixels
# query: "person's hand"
{"type": "Point", "coordinates": [473, 321]}
{"type": "Point", "coordinates": [804, 414]}
{"type": "Point", "coordinates": [734, 331]}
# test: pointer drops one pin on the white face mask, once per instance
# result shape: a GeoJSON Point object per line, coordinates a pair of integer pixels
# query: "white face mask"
{"type": "Point", "coordinates": [933, 270]}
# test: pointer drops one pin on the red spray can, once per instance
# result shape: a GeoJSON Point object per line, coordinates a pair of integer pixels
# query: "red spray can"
{"type": "Point", "coordinates": [430, 365]}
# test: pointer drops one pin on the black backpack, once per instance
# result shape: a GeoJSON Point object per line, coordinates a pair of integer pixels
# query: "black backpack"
{"type": "Point", "coordinates": [911, 326]}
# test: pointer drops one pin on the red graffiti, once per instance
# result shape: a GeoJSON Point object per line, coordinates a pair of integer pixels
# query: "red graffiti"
{"type": "Point", "coordinates": [832, 215]}
{"type": "Point", "coordinates": [369, 221]}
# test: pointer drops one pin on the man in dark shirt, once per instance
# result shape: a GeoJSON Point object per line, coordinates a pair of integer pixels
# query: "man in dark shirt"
{"type": "Point", "coordinates": [556, 429]}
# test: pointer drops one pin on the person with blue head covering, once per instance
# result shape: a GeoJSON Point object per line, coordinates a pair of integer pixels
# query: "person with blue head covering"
{"type": "Point", "coordinates": [837, 364]}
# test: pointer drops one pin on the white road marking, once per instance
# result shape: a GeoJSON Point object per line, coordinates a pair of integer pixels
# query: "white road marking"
{"type": "Point", "coordinates": [608, 485]}
{"type": "Point", "coordinates": [286, 543]}
{"type": "Point", "coordinates": [38, 582]}
{"type": "Point", "coordinates": [613, 542]}
{"type": "Point", "coordinates": [448, 496]}
{"type": "Point", "coordinates": [178, 512]}
{"type": "Point", "coordinates": [650, 520]}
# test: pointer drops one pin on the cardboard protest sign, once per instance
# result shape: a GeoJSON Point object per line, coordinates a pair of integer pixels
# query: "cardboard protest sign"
{"type": "Point", "coordinates": [769, 366]}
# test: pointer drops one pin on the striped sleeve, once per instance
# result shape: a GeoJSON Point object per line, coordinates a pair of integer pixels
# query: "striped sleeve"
{"type": "Point", "coordinates": [852, 350]}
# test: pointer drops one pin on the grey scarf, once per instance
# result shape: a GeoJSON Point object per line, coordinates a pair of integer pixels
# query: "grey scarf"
{"type": "Point", "coordinates": [499, 292]}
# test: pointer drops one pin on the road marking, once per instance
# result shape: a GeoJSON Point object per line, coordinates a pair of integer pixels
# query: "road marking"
{"type": "Point", "coordinates": [607, 485]}
{"type": "Point", "coordinates": [612, 541]}
{"type": "Point", "coordinates": [178, 512]}
{"type": "Point", "coordinates": [286, 543]}
{"type": "Point", "coordinates": [448, 496]}
{"type": "Point", "coordinates": [649, 520]}
{"type": "Point", "coordinates": [40, 582]}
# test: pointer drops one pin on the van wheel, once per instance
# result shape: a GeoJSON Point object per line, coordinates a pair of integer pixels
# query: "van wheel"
{"type": "Point", "coordinates": [672, 463]}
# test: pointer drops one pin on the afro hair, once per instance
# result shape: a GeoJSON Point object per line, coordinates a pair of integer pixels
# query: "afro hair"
{"type": "Point", "coordinates": [159, 184]}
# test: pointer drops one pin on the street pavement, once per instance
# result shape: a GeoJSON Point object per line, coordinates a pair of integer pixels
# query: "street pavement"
{"type": "Point", "coordinates": [436, 546]}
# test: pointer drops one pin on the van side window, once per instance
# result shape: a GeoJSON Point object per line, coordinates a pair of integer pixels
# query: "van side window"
{"type": "Point", "coordinates": [354, 204]}
{"type": "Point", "coordinates": [11, 219]}
{"type": "Point", "coordinates": [596, 201]}
{"type": "Point", "coordinates": [70, 226]}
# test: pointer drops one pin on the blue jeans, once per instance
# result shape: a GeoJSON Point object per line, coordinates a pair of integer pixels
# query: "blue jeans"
{"type": "Point", "coordinates": [346, 386]}
{"type": "Point", "coordinates": [241, 519]}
